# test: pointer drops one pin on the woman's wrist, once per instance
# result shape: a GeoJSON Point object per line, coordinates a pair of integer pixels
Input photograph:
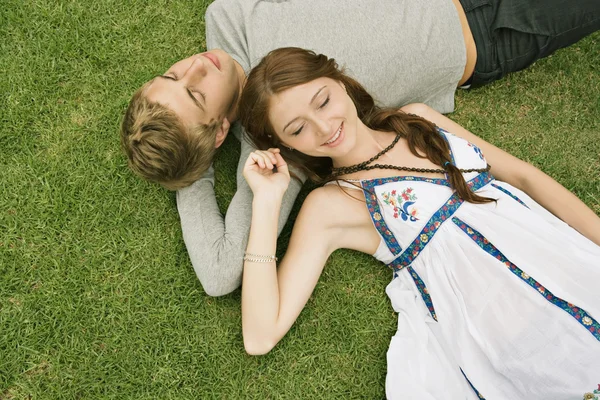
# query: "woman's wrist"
{"type": "Point", "coordinates": [265, 209]}
{"type": "Point", "coordinates": [271, 198]}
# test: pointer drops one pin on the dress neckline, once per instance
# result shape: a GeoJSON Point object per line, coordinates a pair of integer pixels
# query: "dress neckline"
{"type": "Point", "coordinates": [413, 178]}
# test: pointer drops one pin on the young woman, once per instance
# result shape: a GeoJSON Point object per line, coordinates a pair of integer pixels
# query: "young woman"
{"type": "Point", "coordinates": [497, 297]}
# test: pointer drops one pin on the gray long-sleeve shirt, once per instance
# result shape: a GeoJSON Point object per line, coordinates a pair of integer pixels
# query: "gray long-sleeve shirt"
{"type": "Point", "coordinates": [402, 51]}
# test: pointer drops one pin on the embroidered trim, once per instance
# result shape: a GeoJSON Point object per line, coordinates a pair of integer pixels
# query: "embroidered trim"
{"type": "Point", "coordinates": [370, 183]}
{"type": "Point", "coordinates": [423, 290]}
{"type": "Point", "coordinates": [505, 191]}
{"type": "Point", "coordinates": [379, 222]}
{"type": "Point", "coordinates": [472, 387]}
{"type": "Point", "coordinates": [480, 181]}
{"type": "Point", "coordinates": [376, 212]}
{"type": "Point", "coordinates": [579, 314]}
{"type": "Point", "coordinates": [477, 150]}
{"type": "Point", "coordinates": [437, 219]}
{"type": "Point", "coordinates": [443, 133]}
{"type": "Point", "coordinates": [418, 244]}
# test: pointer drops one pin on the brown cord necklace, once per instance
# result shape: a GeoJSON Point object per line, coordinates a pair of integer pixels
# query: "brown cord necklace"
{"type": "Point", "coordinates": [364, 166]}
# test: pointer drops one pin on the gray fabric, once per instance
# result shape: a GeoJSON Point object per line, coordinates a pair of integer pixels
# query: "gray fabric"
{"type": "Point", "coordinates": [402, 51]}
{"type": "Point", "coordinates": [215, 244]}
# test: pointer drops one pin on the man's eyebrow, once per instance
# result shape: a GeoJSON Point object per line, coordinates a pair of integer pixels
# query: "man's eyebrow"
{"type": "Point", "coordinates": [311, 100]}
{"type": "Point", "coordinates": [189, 92]}
{"type": "Point", "coordinates": [165, 77]}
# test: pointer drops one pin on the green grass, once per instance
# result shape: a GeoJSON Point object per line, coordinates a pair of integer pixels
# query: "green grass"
{"type": "Point", "coordinates": [97, 296]}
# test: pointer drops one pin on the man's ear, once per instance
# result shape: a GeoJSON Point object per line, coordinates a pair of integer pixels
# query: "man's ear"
{"type": "Point", "coordinates": [222, 132]}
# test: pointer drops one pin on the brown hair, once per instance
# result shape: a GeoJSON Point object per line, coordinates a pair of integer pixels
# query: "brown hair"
{"type": "Point", "coordinates": [288, 67]}
{"type": "Point", "coordinates": [161, 148]}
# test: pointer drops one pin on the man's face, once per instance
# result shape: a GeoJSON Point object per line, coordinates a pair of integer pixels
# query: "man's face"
{"type": "Point", "coordinates": [199, 89]}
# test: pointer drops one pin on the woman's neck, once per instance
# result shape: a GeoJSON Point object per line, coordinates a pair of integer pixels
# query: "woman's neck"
{"type": "Point", "coordinates": [368, 143]}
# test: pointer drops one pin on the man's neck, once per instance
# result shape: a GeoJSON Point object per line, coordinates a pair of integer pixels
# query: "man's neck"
{"type": "Point", "coordinates": [241, 75]}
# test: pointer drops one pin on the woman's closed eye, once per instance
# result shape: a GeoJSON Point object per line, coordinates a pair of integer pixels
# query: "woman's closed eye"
{"type": "Point", "coordinates": [297, 132]}
{"type": "Point", "coordinates": [324, 103]}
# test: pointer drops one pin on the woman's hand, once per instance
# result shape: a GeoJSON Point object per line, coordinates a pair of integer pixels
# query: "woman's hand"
{"type": "Point", "coordinates": [267, 172]}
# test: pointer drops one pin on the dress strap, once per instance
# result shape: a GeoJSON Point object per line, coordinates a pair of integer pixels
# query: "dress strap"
{"type": "Point", "coordinates": [347, 183]}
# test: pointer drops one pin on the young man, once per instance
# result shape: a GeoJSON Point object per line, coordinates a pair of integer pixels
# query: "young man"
{"type": "Point", "coordinates": [401, 51]}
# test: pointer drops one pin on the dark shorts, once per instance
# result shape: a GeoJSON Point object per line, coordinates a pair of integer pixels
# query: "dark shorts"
{"type": "Point", "coordinates": [512, 34]}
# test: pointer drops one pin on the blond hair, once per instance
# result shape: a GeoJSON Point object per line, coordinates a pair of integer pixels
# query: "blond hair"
{"type": "Point", "coordinates": [161, 148]}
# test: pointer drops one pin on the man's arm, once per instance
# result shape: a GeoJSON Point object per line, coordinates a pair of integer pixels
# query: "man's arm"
{"type": "Point", "coordinates": [215, 244]}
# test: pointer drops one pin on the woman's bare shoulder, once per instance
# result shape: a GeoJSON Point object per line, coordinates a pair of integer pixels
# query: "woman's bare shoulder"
{"type": "Point", "coordinates": [334, 196]}
{"type": "Point", "coordinates": [334, 205]}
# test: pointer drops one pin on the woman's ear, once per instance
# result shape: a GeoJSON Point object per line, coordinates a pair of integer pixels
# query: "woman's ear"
{"type": "Point", "coordinates": [222, 132]}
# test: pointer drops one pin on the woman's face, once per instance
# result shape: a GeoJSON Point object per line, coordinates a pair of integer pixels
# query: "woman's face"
{"type": "Point", "coordinates": [317, 118]}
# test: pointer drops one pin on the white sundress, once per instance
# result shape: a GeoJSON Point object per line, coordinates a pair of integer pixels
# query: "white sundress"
{"type": "Point", "coordinates": [498, 301]}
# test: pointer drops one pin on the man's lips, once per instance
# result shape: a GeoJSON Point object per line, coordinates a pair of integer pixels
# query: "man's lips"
{"type": "Point", "coordinates": [214, 59]}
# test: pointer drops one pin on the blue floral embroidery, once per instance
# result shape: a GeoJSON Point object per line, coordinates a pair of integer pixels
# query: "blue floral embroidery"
{"type": "Point", "coordinates": [480, 181]}
{"type": "Point", "coordinates": [379, 222]}
{"type": "Point", "coordinates": [423, 290]}
{"type": "Point", "coordinates": [444, 134]}
{"type": "Point", "coordinates": [376, 215]}
{"type": "Point", "coordinates": [419, 243]}
{"type": "Point", "coordinates": [401, 203]}
{"type": "Point", "coordinates": [375, 210]}
{"type": "Point", "coordinates": [472, 387]}
{"type": "Point", "coordinates": [505, 191]}
{"type": "Point", "coordinates": [437, 219]}
{"type": "Point", "coordinates": [371, 183]}
{"type": "Point", "coordinates": [477, 150]}
{"type": "Point", "coordinates": [579, 314]}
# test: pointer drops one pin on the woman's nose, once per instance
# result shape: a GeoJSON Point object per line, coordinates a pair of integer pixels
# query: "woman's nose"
{"type": "Point", "coordinates": [323, 126]}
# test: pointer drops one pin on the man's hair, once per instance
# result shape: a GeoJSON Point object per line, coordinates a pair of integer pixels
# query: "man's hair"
{"type": "Point", "coordinates": [161, 148]}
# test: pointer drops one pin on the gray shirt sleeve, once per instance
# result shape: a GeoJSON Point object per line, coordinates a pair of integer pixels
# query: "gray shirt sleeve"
{"type": "Point", "coordinates": [216, 244]}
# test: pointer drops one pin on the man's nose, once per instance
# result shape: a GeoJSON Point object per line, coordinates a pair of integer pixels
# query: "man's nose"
{"type": "Point", "coordinates": [197, 69]}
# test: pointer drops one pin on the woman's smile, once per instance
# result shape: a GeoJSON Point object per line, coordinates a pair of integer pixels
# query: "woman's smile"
{"type": "Point", "coordinates": [336, 138]}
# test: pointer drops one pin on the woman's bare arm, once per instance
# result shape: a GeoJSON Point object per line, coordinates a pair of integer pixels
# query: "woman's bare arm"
{"type": "Point", "coordinates": [539, 186]}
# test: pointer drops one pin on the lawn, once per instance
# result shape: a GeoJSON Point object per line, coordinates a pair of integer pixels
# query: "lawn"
{"type": "Point", "coordinates": [98, 299]}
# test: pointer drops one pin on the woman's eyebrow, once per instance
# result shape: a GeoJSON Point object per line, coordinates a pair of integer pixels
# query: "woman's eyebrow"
{"type": "Point", "coordinates": [316, 94]}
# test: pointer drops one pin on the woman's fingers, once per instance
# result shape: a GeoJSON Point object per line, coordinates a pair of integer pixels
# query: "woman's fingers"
{"type": "Point", "coordinates": [265, 159]}
{"type": "Point", "coordinates": [254, 159]}
{"type": "Point", "coordinates": [266, 170]}
{"type": "Point", "coordinates": [271, 155]}
{"type": "Point", "coordinates": [281, 164]}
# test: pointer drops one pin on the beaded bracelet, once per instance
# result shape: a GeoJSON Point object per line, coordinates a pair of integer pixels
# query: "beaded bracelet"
{"type": "Point", "coordinates": [258, 258]}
